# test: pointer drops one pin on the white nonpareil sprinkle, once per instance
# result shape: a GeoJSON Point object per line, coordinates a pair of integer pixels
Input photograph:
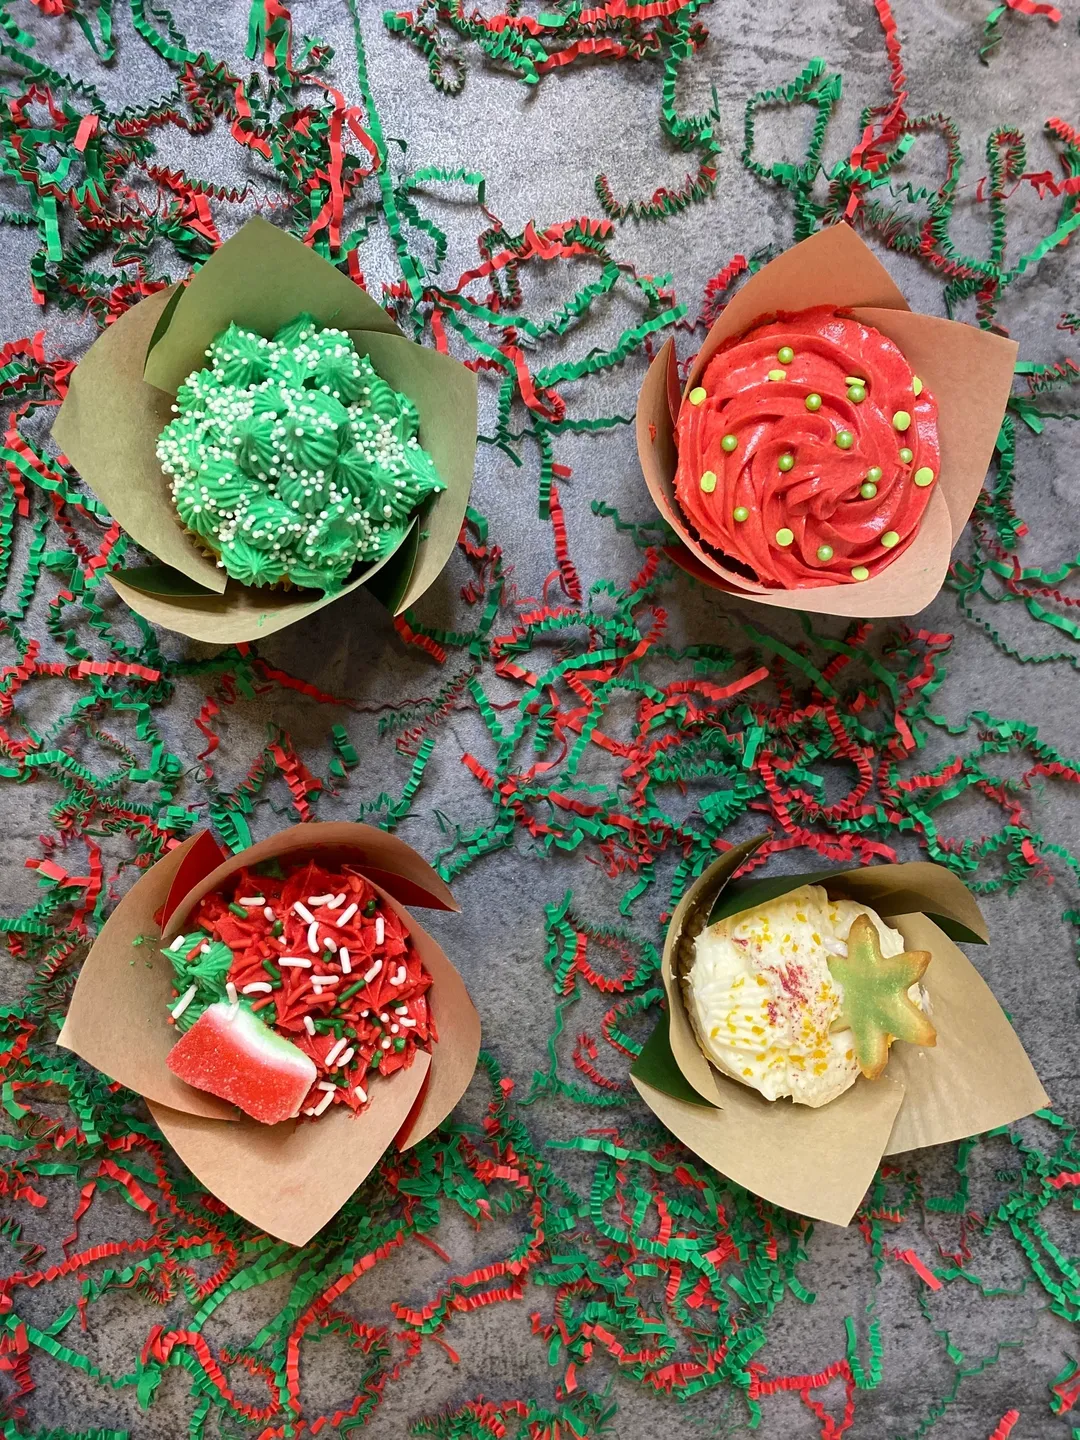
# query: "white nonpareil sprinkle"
{"type": "Point", "coordinates": [334, 1051]}
{"type": "Point", "coordinates": [380, 930]}
{"type": "Point", "coordinates": [386, 1042]}
{"type": "Point", "coordinates": [230, 991]}
{"type": "Point", "coordinates": [177, 942]}
{"type": "Point", "coordinates": [269, 914]}
{"type": "Point", "coordinates": [404, 1021]}
{"type": "Point", "coordinates": [309, 1025]}
{"type": "Point", "coordinates": [346, 963]}
{"type": "Point", "coordinates": [373, 972]}
{"type": "Point", "coordinates": [329, 942]}
{"type": "Point", "coordinates": [316, 900]}
{"type": "Point", "coordinates": [347, 914]}
{"type": "Point", "coordinates": [360, 1093]}
{"type": "Point", "coordinates": [384, 1017]}
{"type": "Point", "coordinates": [399, 978]}
{"type": "Point", "coordinates": [395, 1029]}
{"type": "Point", "coordinates": [401, 1009]}
{"type": "Point", "coordinates": [325, 979]}
{"type": "Point", "coordinates": [336, 901]}
{"type": "Point", "coordinates": [364, 1014]}
{"type": "Point", "coordinates": [252, 900]}
{"type": "Point", "coordinates": [257, 987]}
{"type": "Point", "coordinates": [326, 1085]}
{"type": "Point", "coordinates": [184, 1001]}
{"type": "Point", "coordinates": [313, 937]}
{"type": "Point", "coordinates": [304, 913]}
{"type": "Point", "coordinates": [343, 1060]}
{"type": "Point", "coordinates": [326, 1101]}
{"type": "Point", "coordinates": [298, 962]}
{"type": "Point", "coordinates": [204, 948]}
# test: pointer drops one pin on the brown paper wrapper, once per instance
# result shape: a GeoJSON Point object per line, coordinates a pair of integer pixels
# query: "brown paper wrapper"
{"type": "Point", "coordinates": [119, 401]}
{"type": "Point", "coordinates": [820, 1162]}
{"type": "Point", "coordinates": [289, 1179]}
{"type": "Point", "coordinates": [969, 372]}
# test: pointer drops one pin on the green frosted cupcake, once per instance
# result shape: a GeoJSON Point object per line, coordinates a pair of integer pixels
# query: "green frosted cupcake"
{"type": "Point", "coordinates": [292, 460]}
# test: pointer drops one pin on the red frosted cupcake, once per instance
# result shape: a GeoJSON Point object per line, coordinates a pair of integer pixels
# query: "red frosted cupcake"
{"type": "Point", "coordinates": [808, 452]}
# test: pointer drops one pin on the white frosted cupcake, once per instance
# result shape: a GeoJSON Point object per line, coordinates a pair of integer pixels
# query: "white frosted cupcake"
{"type": "Point", "coordinates": [764, 1005]}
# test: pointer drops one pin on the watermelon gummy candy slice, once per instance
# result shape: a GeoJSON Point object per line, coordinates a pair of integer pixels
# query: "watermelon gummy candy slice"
{"type": "Point", "coordinates": [231, 1053]}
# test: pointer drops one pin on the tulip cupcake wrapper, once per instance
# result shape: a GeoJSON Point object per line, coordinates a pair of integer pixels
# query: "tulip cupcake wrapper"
{"type": "Point", "coordinates": [968, 371]}
{"type": "Point", "coordinates": [289, 1179]}
{"type": "Point", "coordinates": [820, 1162]}
{"type": "Point", "coordinates": [120, 399]}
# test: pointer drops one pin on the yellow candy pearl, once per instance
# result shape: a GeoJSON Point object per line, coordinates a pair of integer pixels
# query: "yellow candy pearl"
{"type": "Point", "coordinates": [916, 385]}
{"type": "Point", "coordinates": [786, 462]}
{"type": "Point", "coordinates": [708, 481]}
{"type": "Point", "coordinates": [923, 476]}
{"type": "Point", "coordinates": [785, 354]}
{"type": "Point", "coordinates": [901, 420]}
{"type": "Point", "coordinates": [785, 537]}
{"type": "Point", "coordinates": [740, 513]}
{"type": "Point", "coordinates": [697, 395]}
{"type": "Point", "coordinates": [860, 572]}
{"type": "Point", "coordinates": [729, 443]}
{"type": "Point", "coordinates": [889, 539]}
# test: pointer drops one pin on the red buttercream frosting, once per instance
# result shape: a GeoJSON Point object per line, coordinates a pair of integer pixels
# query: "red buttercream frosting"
{"type": "Point", "coordinates": [787, 478]}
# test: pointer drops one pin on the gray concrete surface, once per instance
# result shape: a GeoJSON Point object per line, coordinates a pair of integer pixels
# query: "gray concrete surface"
{"type": "Point", "coordinates": [540, 151]}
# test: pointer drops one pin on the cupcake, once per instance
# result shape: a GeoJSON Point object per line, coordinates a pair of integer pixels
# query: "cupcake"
{"type": "Point", "coordinates": [828, 443]}
{"type": "Point", "coordinates": [292, 460]}
{"type": "Point", "coordinates": [797, 997]}
{"type": "Point", "coordinates": [807, 452]}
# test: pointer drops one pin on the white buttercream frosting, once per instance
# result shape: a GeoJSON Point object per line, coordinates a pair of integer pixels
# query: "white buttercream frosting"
{"type": "Point", "coordinates": [763, 1003]}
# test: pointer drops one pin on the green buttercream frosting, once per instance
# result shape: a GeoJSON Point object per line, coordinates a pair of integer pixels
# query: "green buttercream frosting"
{"type": "Point", "coordinates": [293, 459]}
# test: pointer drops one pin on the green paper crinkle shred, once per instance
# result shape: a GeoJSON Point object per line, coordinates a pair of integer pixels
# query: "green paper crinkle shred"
{"type": "Point", "coordinates": [293, 459]}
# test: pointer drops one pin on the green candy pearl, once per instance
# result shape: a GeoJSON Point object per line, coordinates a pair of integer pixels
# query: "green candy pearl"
{"type": "Point", "coordinates": [784, 537]}
{"type": "Point", "coordinates": [856, 394]}
{"type": "Point", "coordinates": [901, 420]}
{"type": "Point", "coordinates": [923, 476]}
{"type": "Point", "coordinates": [845, 439]}
{"type": "Point", "coordinates": [708, 481]}
{"type": "Point", "coordinates": [786, 462]}
{"type": "Point", "coordinates": [812, 401]}
{"type": "Point", "coordinates": [785, 354]}
{"type": "Point", "coordinates": [729, 443]}
{"type": "Point", "coordinates": [740, 513]}
{"type": "Point", "coordinates": [824, 553]}
{"type": "Point", "coordinates": [906, 455]}
{"type": "Point", "coordinates": [874, 474]}
{"type": "Point", "coordinates": [868, 490]}
{"type": "Point", "coordinates": [777, 374]}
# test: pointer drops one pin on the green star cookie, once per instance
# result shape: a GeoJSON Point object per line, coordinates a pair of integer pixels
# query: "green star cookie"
{"type": "Point", "coordinates": [876, 1007]}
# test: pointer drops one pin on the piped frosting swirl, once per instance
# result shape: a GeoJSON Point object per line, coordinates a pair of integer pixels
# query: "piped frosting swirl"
{"type": "Point", "coordinates": [293, 459]}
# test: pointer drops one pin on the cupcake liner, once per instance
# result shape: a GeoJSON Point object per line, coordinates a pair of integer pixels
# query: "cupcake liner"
{"type": "Point", "coordinates": [119, 400]}
{"type": "Point", "coordinates": [969, 372]}
{"type": "Point", "coordinates": [289, 1179]}
{"type": "Point", "coordinates": [819, 1162]}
